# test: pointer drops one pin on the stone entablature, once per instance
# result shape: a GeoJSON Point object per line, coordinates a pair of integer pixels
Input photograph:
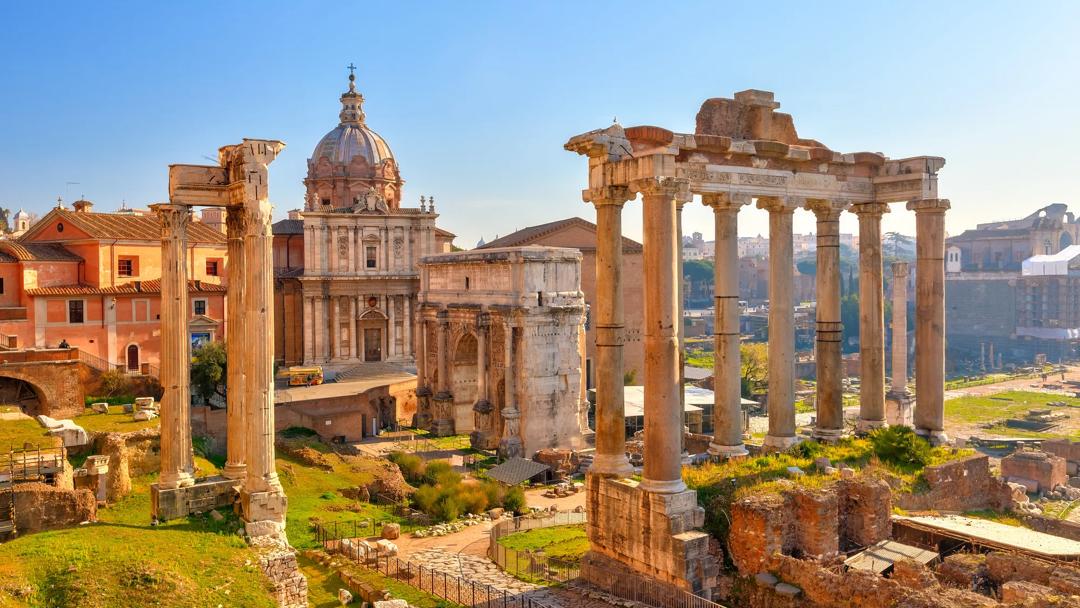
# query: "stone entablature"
{"type": "Point", "coordinates": [501, 348]}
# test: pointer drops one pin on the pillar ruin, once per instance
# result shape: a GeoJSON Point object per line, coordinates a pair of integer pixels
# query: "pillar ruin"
{"type": "Point", "coordinates": [781, 398]}
{"type": "Point", "coordinates": [829, 333]}
{"type": "Point", "coordinates": [727, 385]}
{"type": "Point", "coordinates": [871, 318]}
{"type": "Point", "coordinates": [510, 445]}
{"type": "Point", "coordinates": [898, 399]}
{"type": "Point", "coordinates": [663, 414]}
{"type": "Point", "coordinates": [610, 458]}
{"type": "Point", "coordinates": [177, 456]}
{"type": "Point", "coordinates": [484, 436]}
{"type": "Point", "coordinates": [930, 318]}
{"type": "Point", "coordinates": [236, 342]}
{"type": "Point", "coordinates": [442, 424]}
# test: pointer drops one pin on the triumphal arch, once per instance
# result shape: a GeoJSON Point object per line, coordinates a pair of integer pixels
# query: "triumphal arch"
{"type": "Point", "coordinates": [742, 151]}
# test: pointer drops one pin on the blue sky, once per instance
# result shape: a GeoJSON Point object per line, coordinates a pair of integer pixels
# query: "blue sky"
{"type": "Point", "coordinates": [477, 98]}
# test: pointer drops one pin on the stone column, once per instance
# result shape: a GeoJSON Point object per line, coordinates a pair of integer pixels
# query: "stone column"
{"type": "Point", "coordinates": [871, 318]}
{"type": "Point", "coordinates": [354, 342]}
{"type": "Point", "coordinates": [443, 415]}
{"type": "Point", "coordinates": [663, 413]}
{"type": "Point", "coordinates": [510, 445]}
{"type": "Point", "coordinates": [309, 330]}
{"type": "Point", "coordinates": [335, 329]}
{"type": "Point", "coordinates": [263, 500]}
{"type": "Point", "coordinates": [236, 344]}
{"type": "Point", "coordinates": [898, 400]}
{"type": "Point", "coordinates": [930, 318]}
{"type": "Point", "coordinates": [829, 335]}
{"type": "Point", "coordinates": [483, 437]}
{"type": "Point", "coordinates": [177, 457]}
{"type": "Point", "coordinates": [727, 385]}
{"type": "Point", "coordinates": [391, 327]}
{"type": "Point", "coordinates": [406, 326]}
{"type": "Point", "coordinates": [680, 303]}
{"type": "Point", "coordinates": [781, 323]}
{"type": "Point", "coordinates": [423, 382]}
{"type": "Point", "coordinates": [610, 459]}
{"type": "Point", "coordinates": [318, 327]}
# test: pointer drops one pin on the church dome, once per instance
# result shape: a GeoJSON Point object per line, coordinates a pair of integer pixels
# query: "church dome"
{"type": "Point", "coordinates": [352, 138]}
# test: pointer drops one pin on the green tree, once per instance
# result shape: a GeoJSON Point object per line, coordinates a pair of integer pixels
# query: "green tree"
{"type": "Point", "coordinates": [208, 370]}
{"type": "Point", "coordinates": [753, 367]}
{"type": "Point", "coordinates": [698, 270]}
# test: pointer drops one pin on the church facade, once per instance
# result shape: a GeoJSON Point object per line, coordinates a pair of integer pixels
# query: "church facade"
{"type": "Point", "coordinates": [346, 265]}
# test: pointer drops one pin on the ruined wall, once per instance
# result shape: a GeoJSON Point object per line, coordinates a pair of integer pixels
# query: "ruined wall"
{"type": "Point", "coordinates": [278, 562]}
{"type": "Point", "coordinates": [760, 526]}
{"type": "Point", "coordinates": [40, 507]}
{"type": "Point", "coordinates": [130, 455]}
{"type": "Point", "coordinates": [865, 511]}
{"type": "Point", "coordinates": [1039, 471]}
{"type": "Point", "coordinates": [958, 486]}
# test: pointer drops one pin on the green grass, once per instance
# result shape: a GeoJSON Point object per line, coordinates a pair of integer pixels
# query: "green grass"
{"type": "Point", "coordinates": [997, 516]}
{"type": "Point", "coordinates": [429, 441]}
{"type": "Point", "coordinates": [565, 543]}
{"type": "Point", "coordinates": [14, 433]}
{"type": "Point", "coordinates": [1008, 404]}
{"type": "Point", "coordinates": [116, 421]}
{"type": "Point", "coordinates": [123, 561]}
{"type": "Point", "coordinates": [802, 407]}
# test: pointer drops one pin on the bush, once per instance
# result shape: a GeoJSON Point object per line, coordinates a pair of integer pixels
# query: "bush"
{"type": "Point", "coordinates": [114, 382]}
{"type": "Point", "coordinates": [116, 400]}
{"type": "Point", "coordinates": [900, 446]}
{"type": "Point", "coordinates": [515, 500]}
{"type": "Point", "coordinates": [435, 469]}
{"type": "Point", "coordinates": [411, 466]}
{"type": "Point", "coordinates": [298, 432]}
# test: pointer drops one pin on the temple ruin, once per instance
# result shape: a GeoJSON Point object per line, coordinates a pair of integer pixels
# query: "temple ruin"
{"type": "Point", "coordinates": [238, 184]}
{"type": "Point", "coordinates": [742, 151]}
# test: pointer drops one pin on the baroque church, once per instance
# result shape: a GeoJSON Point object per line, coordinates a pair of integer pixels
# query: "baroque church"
{"type": "Point", "coordinates": [346, 276]}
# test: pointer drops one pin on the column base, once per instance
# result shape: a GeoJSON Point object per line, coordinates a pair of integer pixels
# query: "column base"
{"type": "Point", "coordinates": [511, 447]}
{"type": "Point", "coordinates": [483, 440]}
{"type": "Point", "coordinates": [442, 427]}
{"type": "Point", "coordinates": [727, 451]}
{"type": "Point", "coordinates": [264, 513]}
{"type": "Point", "coordinates": [210, 493]}
{"type": "Point", "coordinates": [611, 465]}
{"type": "Point", "coordinates": [234, 471]}
{"type": "Point", "coordinates": [899, 408]}
{"type": "Point", "coordinates": [654, 486]}
{"type": "Point", "coordinates": [178, 480]}
{"type": "Point", "coordinates": [828, 434]}
{"type": "Point", "coordinates": [936, 438]}
{"type": "Point", "coordinates": [862, 427]}
{"type": "Point", "coordinates": [774, 443]}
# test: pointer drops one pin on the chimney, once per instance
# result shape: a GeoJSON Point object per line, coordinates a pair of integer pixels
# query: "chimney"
{"type": "Point", "coordinates": [82, 206]}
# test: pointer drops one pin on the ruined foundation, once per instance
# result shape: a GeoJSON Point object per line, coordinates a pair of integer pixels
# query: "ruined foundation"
{"type": "Point", "coordinates": [207, 494]}
{"type": "Point", "coordinates": [648, 533]}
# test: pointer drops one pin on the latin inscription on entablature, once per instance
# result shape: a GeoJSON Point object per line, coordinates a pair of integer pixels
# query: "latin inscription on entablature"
{"type": "Point", "coordinates": [908, 189]}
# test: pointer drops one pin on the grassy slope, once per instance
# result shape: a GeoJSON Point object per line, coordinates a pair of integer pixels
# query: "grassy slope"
{"type": "Point", "coordinates": [115, 421]}
{"type": "Point", "coordinates": [14, 433]}
{"type": "Point", "coordinates": [123, 561]}
{"type": "Point", "coordinates": [567, 543]}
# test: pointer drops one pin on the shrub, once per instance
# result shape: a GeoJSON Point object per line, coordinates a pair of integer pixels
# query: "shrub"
{"type": "Point", "coordinates": [114, 382]}
{"type": "Point", "coordinates": [298, 432]}
{"type": "Point", "coordinates": [411, 466]}
{"type": "Point", "coordinates": [515, 500]}
{"type": "Point", "coordinates": [900, 446]}
{"type": "Point", "coordinates": [434, 469]}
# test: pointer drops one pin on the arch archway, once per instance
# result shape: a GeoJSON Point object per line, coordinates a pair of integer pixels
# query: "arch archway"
{"type": "Point", "coordinates": [463, 376]}
{"type": "Point", "coordinates": [24, 395]}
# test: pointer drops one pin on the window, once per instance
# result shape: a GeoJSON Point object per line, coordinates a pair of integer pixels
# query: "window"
{"type": "Point", "coordinates": [466, 283]}
{"type": "Point", "coordinates": [75, 311]}
{"type": "Point", "coordinates": [211, 268]}
{"type": "Point", "coordinates": [124, 267]}
{"type": "Point", "coordinates": [1, 284]}
{"type": "Point", "coordinates": [199, 307]}
{"type": "Point", "coordinates": [371, 257]}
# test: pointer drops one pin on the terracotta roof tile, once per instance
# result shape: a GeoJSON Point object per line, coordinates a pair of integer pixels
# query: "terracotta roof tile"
{"type": "Point", "coordinates": [288, 227]}
{"type": "Point", "coordinates": [134, 287]}
{"type": "Point", "coordinates": [38, 252]}
{"type": "Point", "coordinates": [529, 236]}
{"type": "Point", "coordinates": [131, 227]}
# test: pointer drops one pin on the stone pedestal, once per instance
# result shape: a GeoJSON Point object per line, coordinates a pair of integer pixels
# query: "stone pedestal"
{"type": "Point", "coordinates": [649, 533]}
{"type": "Point", "coordinates": [211, 493]}
{"type": "Point", "coordinates": [442, 424]}
{"type": "Point", "coordinates": [899, 408]}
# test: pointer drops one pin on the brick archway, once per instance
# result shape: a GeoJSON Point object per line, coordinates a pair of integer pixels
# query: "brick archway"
{"type": "Point", "coordinates": [55, 384]}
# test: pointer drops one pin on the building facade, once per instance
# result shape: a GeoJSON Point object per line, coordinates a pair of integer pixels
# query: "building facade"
{"type": "Point", "coordinates": [346, 265]}
{"type": "Point", "coordinates": [93, 281]}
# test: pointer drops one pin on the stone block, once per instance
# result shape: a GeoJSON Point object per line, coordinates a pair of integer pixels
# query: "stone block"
{"type": "Point", "coordinates": [100, 407]}
{"type": "Point", "coordinates": [787, 590]}
{"type": "Point", "coordinates": [145, 403]}
{"type": "Point", "coordinates": [765, 579]}
{"type": "Point", "coordinates": [865, 512]}
{"type": "Point", "coordinates": [386, 548]}
{"type": "Point", "coordinates": [1004, 567]}
{"type": "Point", "coordinates": [1030, 485]}
{"type": "Point", "coordinates": [391, 531]}
{"type": "Point", "coordinates": [206, 495]}
{"type": "Point", "coordinates": [1024, 591]}
{"type": "Point", "coordinates": [1046, 469]}
{"type": "Point", "coordinates": [1065, 579]}
{"type": "Point", "coordinates": [143, 415]}
{"type": "Point", "coordinates": [344, 596]}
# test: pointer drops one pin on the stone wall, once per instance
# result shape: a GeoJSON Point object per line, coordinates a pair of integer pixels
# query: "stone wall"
{"type": "Point", "coordinates": [57, 383]}
{"type": "Point", "coordinates": [1052, 525]}
{"type": "Point", "coordinates": [653, 534]}
{"type": "Point", "coordinates": [1039, 471]}
{"type": "Point", "coordinates": [760, 526]}
{"type": "Point", "coordinates": [816, 522]}
{"type": "Point", "coordinates": [130, 455]}
{"type": "Point", "coordinates": [958, 486]}
{"type": "Point", "coordinates": [40, 507]}
{"type": "Point", "coordinates": [278, 562]}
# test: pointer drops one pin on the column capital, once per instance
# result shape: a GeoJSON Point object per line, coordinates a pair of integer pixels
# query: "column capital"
{"type": "Point", "coordinates": [899, 270]}
{"type": "Point", "coordinates": [868, 208]}
{"type": "Point", "coordinates": [674, 187]}
{"type": "Point", "coordinates": [173, 217]}
{"type": "Point", "coordinates": [236, 220]}
{"type": "Point", "coordinates": [826, 210]}
{"type": "Point", "coordinates": [929, 205]}
{"type": "Point", "coordinates": [607, 195]}
{"type": "Point", "coordinates": [726, 201]}
{"type": "Point", "coordinates": [779, 204]}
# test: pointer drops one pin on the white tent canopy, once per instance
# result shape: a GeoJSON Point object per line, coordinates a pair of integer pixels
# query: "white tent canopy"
{"type": "Point", "coordinates": [1050, 265]}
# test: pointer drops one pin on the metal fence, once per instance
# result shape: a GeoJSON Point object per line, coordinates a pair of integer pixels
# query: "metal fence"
{"type": "Point", "coordinates": [533, 564]}
{"type": "Point", "coordinates": [647, 591]}
{"type": "Point", "coordinates": [440, 584]}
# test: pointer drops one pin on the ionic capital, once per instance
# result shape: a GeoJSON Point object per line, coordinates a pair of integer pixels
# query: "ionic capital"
{"type": "Point", "coordinates": [929, 205]}
{"type": "Point", "coordinates": [871, 209]}
{"type": "Point", "coordinates": [726, 201]}
{"type": "Point", "coordinates": [677, 188]}
{"type": "Point", "coordinates": [779, 204]}
{"type": "Point", "coordinates": [607, 195]}
{"type": "Point", "coordinates": [826, 210]}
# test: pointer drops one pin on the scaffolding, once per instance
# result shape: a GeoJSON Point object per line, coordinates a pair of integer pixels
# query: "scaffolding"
{"type": "Point", "coordinates": [27, 465]}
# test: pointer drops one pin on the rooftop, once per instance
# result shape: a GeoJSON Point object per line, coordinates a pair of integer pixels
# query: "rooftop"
{"type": "Point", "coordinates": [529, 236]}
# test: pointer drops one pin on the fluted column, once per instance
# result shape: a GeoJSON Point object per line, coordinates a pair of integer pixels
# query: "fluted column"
{"type": "Point", "coordinates": [335, 329]}
{"type": "Point", "coordinates": [871, 318]}
{"type": "Point", "coordinates": [391, 327]}
{"type": "Point", "coordinates": [318, 325]}
{"type": "Point", "coordinates": [309, 330]}
{"type": "Point", "coordinates": [236, 339]}
{"type": "Point", "coordinates": [483, 437]}
{"type": "Point", "coordinates": [663, 411]}
{"type": "Point", "coordinates": [829, 335]}
{"type": "Point", "coordinates": [930, 317]}
{"type": "Point", "coordinates": [177, 457]}
{"type": "Point", "coordinates": [899, 327]}
{"type": "Point", "coordinates": [443, 414]}
{"type": "Point", "coordinates": [727, 385]}
{"type": "Point", "coordinates": [510, 445]}
{"type": "Point", "coordinates": [781, 323]}
{"type": "Point", "coordinates": [354, 339]}
{"type": "Point", "coordinates": [610, 458]}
